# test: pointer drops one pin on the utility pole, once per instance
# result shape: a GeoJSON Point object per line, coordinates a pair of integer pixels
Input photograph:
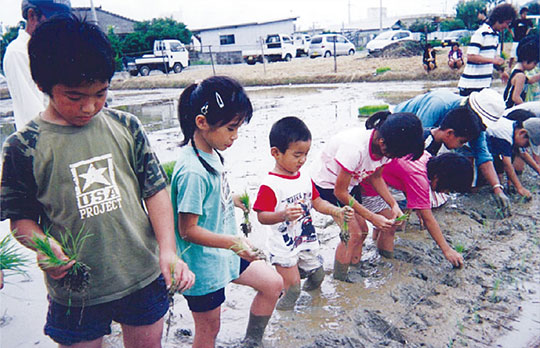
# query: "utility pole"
{"type": "Point", "coordinates": [380, 16]}
{"type": "Point", "coordinates": [349, 13]}
{"type": "Point", "coordinates": [94, 15]}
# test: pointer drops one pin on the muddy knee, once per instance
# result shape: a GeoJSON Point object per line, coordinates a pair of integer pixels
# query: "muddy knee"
{"type": "Point", "coordinates": [314, 280]}
{"type": "Point", "coordinates": [386, 253]}
{"type": "Point", "coordinates": [288, 300]}
{"type": "Point", "coordinates": [340, 270]}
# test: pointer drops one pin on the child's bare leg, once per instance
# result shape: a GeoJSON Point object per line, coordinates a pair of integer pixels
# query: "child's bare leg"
{"type": "Point", "coordinates": [143, 336]}
{"type": "Point", "coordinates": [291, 284]}
{"type": "Point", "coordinates": [207, 326]}
{"type": "Point", "coordinates": [269, 284]}
{"type": "Point", "coordinates": [352, 252]}
{"type": "Point", "coordinates": [385, 240]}
{"type": "Point", "coordinates": [97, 343]}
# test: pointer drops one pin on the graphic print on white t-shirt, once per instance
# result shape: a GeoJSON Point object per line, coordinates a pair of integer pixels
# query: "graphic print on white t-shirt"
{"type": "Point", "coordinates": [95, 186]}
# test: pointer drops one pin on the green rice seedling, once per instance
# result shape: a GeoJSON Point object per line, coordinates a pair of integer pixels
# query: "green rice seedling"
{"type": "Point", "coordinates": [172, 290]}
{"type": "Point", "coordinates": [11, 258]}
{"type": "Point", "coordinates": [494, 298]}
{"type": "Point", "coordinates": [77, 278]}
{"type": "Point", "coordinates": [246, 225]}
{"type": "Point", "coordinates": [168, 167]}
{"type": "Point", "coordinates": [344, 235]}
{"type": "Point", "coordinates": [381, 70]}
{"type": "Point", "coordinates": [404, 217]}
{"type": "Point", "coordinates": [239, 246]}
{"type": "Point", "coordinates": [460, 248]}
{"type": "Point", "coordinates": [368, 110]}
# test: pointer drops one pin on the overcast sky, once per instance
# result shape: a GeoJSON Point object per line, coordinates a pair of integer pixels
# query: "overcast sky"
{"type": "Point", "coordinates": [209, 13]}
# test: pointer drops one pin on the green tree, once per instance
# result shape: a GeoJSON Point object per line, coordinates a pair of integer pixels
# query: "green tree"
{"type": "Point", "coordinates": [467, 11]}
{"type": "Point", "coordinates": [142, 39]}
{"type": "Point", "coordinates": [452, 24]}
{"type": "Point", "coordinates": [421, 26]}
{"type": "Point", "coordinates": [534, 7]}
{"type": "Point", "coordinates": [10, 35]}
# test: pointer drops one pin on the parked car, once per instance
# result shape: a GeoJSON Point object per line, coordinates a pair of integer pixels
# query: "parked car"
{"type": "Point", "coordinates": [277, 47]}
{"type": "Point", "coordinates": [387, 38]}
{"type": "Point", "coordinates": [168, 55]}
{"type": "Point", "coordinates": [301, 42]}
{"type": "Point", "coordinates": [323, 45]}
{"type": "Point", "coordinates": [454, 36]}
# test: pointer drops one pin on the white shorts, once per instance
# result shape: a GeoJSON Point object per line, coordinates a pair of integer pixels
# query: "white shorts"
{"type": "Point", "coordinates": [513, 51]}
{"type": "Point", "coordinates": [306, 259]}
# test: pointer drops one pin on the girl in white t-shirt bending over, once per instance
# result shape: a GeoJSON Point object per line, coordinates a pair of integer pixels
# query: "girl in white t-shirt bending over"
{"type": "Point", "coordinates": [357, 154]}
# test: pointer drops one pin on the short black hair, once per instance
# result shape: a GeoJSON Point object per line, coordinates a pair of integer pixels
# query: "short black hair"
{"type": "Point", "coordinates": [520, 116]}
{"type": "Point", "coordinates": [524, 9]}
{"type": "Point", "coordinates": [454, 172]}
{"type": "Point", "coordinates": [70, 51]}
{"type": "Point", "coordinates": [528, 49]}
{"type": "Point", "coordinates": [463, 121]}
{"type": "Point", "coordinates": [288, 130]}
{"type": "Point", "coordinates": [402, 133]}
{"type": "Point", "coordinates": [502, 13]}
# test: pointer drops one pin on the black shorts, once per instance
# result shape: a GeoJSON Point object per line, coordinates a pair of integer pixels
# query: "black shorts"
{"type": "Point", "coordinates": [328, 195]}
{"type": "Point", "coordinates": [213, 300]}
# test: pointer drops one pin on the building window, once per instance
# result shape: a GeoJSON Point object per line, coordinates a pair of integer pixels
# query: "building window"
{"type": "Point", "coordinates": [226, 39]}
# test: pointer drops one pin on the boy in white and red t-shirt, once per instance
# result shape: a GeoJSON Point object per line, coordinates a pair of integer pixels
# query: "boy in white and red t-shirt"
{"type": "Point", "coordinates": [284, 202]}
{"type": "Point", "coordinates": [422, 181]}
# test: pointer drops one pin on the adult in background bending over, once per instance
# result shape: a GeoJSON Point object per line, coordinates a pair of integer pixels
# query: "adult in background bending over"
{"type": "Point", "coordinates": [483, 52]}
{"type": "Point", "coordinates": [28, 100]}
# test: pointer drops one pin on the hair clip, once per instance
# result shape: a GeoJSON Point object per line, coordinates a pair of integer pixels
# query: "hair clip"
{"type": "Point", "coordinates": [204, 109]}
{"type": "Point", "coordinates": [219, 101]}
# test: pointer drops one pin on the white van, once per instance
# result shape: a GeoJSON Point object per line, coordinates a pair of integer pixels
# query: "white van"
{"type": "Point", "coordinates": [323, 46]}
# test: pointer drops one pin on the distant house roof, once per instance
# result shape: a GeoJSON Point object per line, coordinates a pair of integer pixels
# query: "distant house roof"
{"type": "Point", "coordinates": [197, 31]}
{"type": "Point", "coordinates": [122, 25]}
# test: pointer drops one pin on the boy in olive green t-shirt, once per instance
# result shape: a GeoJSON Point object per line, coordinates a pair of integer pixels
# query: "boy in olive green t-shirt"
{"type": "Point", "coordinates": [79, 168]}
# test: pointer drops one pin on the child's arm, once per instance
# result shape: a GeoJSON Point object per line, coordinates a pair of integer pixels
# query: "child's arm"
{"type": "Point", "coordinates": [434, 230]}
{"type": "Point", "coordinates": [511, 173]}
{"type": "Point", "coordinates": [530, 161]}
{"type": "Point", "coordinates": [341, 191]}
{"type": "Point", "coordinates": [161, 217]}
{"type": "Point", "coordinates": [193, 233]}
{"type": "Point", "coordinates": [339, 214]}
{"type": "Point", "coordinates": [534, 78]}
{"type": "Point", "coordinates": [291, 213]}
{"type": "Point", "coordinates": [24, 230]}
{"type": "Point", "coordinates": [519, 82]}
{"type": "Point", "coordinates": [380, 186]}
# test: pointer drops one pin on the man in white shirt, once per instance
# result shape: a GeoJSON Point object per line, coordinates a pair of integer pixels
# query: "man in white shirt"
{"type": "Point", "coordinates": [28, 100]}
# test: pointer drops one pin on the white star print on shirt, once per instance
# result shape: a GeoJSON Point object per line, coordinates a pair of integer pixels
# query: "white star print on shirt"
{"type": "Point", "coordinates": [94, 175]}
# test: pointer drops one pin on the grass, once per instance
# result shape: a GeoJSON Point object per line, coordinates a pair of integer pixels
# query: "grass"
{"type": "Point", "coordinates": [344, 235]}
{"type": "Point", "coordinates": [460, 248]}
{"type": "Point", "coordinates": [168, 167]}
{"type": "Point", "coordinates": [403, 217]}
{"type": "Point", "coordinates": [11, 259]}
{"type": "Point", "coordinates": [368, 110]}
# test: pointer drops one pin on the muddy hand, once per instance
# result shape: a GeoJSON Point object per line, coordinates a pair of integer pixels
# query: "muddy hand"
{"type": "Point", "coordinates": [454, 258]}
{"type": "Point", "coordinates": [503, 203]}
{"type": "Point", "coordinates": [381, 222]}
{"type": "Point", "coordinates": [184, 278]}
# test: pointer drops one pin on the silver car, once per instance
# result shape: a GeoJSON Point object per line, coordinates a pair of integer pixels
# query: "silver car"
{"type": "Point", "coordinates": [325, 44]}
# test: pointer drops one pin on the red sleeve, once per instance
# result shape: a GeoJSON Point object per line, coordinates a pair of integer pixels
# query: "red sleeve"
{"type": "Point", "coordinates": [314, 192]}
{"type": "Point", "coordinates": [266, 199]}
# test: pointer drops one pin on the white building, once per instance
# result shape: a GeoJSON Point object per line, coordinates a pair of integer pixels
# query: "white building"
{"type": "Point", "coordinates": [240, 37]}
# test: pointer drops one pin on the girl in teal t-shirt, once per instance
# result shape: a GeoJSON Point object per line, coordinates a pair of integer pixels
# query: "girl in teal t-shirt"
{"type": "Point", "coordinates": [210, 114]}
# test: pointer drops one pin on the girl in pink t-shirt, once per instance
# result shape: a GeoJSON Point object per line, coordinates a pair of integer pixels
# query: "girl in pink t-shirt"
{"type": "Point", "coordinates": [358, 154]}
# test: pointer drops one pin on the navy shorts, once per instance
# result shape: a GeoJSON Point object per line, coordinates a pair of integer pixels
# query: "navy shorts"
{"type": "Point", "coordinates": [213, 300]}
{"type": "Point", "coordinates": [328, 195]}
{"type": "Point", "coordinates": [70, 325]}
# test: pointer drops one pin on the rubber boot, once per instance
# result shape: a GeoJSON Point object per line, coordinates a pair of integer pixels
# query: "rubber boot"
{"type": "Point", "coordinates": [340, 271]}
{"type": "Point", "coordinates": [255, 331]}
{"type": "Point", "coordinates": [288, 300]}
{"type": "Point", "coordinates": [386, 254]}
{"type": "Point", "coordinates": [314, 280]}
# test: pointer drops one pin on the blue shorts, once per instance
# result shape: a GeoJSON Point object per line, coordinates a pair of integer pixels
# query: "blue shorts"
{"type": "Point", "coordinates": [213, 300]}
{"type": "Point", "coordinates": [70, 325]}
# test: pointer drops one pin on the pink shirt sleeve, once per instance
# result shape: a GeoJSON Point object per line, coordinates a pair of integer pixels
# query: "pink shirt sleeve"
{"type": "Point", "coordinates": [410, 178]}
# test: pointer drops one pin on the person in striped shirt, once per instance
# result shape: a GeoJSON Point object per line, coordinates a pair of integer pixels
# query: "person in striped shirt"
{"type": "Point", "coordinates": [483, 52]}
